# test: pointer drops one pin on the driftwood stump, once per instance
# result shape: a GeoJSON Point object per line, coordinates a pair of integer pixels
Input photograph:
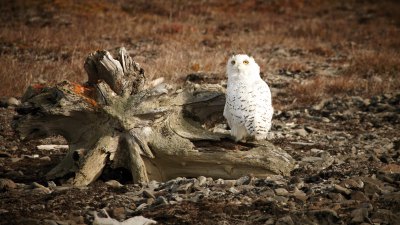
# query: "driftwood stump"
{"type": "Point", "coordinates": [155, 134]}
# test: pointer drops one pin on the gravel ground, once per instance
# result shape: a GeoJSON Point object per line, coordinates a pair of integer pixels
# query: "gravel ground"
{"type": "Point", "coordinates": [348, 172]}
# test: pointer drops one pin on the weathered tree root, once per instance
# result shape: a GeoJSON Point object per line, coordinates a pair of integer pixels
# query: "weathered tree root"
{"type": "Point", "coordinates": [112, 119]}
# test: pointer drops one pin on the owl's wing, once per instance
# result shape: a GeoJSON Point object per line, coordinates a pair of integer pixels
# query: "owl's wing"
{"type": "Point", "coordinates": [227, 113]}
{"type": "Point", "coordinates": [259, 114]}
{"type": "Point", "coordinates": [233, 112]}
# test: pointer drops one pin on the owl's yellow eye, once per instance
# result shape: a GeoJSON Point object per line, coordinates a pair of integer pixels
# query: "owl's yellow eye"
{"type": "Point", "coordinates": [233, 62]}
{"type": "Point", "coordinates": [245, 62]}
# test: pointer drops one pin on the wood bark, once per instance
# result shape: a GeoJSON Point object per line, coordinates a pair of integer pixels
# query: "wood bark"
{"type": "Point", "coordinates": [155, 133]}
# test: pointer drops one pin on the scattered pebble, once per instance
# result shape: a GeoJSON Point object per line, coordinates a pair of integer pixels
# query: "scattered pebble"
{"type": "Point", "coordinates": [286, 220]}
{"type": "Point", "coordinates": [300, 195]}
{"type": "Point", "coordinates": [13, 102]}
{"type": "Point", "coordinates": [341, 189]}
{"type": "Point", "coordinates": [233, 190]}
{"type": "Point", "coordinates": [202, 180]}
{"type": "Point", "coordinates": [300, 132]}
{"type": "Point", "coordinates": [141, 206]}
{"type": "Point", "coordinates": [45, 158]}
{"type": "Point", "coordinates": [40, 188]}
{"type": "Point", "coordinates": [148, 194]}
{"type": "Point", "coordinates": [281, 192]}
{"type": "Point", "coordinates": [161, 200]}
{"type": "Point", "coordinates": [359, 215]}
{"type": "Point", "coordinates": [119, 213]}
{"type": "Point", "coordinates": [7, 184]}
{"type": "Point", "coordinates": [243, 180]}
{"type": "Point", "coordinates": [114, 184]}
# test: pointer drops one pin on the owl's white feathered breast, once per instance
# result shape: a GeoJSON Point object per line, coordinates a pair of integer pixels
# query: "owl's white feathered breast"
{"type": "Point", "coordinates": [248, 107]}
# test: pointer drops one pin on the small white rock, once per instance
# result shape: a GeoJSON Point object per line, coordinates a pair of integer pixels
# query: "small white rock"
{"type": "Point", "coordinates": [13, 102]}
{"type": "Point", "coordinates": [114, 184]}
{"type": "Point", "coordinates": [281, 192]}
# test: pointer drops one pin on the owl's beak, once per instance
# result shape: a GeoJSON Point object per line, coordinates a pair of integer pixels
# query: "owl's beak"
{"type": "Point", "coordinates": [240, 67]}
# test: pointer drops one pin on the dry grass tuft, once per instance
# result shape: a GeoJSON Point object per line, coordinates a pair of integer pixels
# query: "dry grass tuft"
{"type": "Point", "coordinates": [368, 64]}
{"type": "Point", "coordinates": [314, 90]}
{"type": "Point", "coordinates": [368, 74]}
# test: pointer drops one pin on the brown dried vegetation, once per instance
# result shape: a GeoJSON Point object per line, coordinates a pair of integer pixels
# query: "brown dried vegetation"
{"type": "Point", "coordinates": [347, 47]}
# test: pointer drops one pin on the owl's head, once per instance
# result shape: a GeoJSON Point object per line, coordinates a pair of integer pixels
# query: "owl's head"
{"type": "Point", "coordinates": [242, 66]}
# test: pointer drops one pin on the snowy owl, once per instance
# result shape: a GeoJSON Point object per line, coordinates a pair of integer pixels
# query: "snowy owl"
{"type": "Point", "coordinates": [248, 107]}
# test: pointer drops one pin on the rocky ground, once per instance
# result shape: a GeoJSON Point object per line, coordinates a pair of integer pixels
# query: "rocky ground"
{"type": "Point", "coordinates": [348, 172]}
